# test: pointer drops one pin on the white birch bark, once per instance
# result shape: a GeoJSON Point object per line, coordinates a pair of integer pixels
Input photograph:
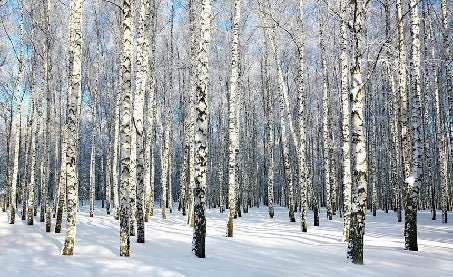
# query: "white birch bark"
{"type": "Point", "coordinates": [165, 164]}
{"type": "Point", "coordinates": [194, 49]}
{"type": "Point", "coordinates": [233, 147]}
{"type": "Point", "coordinates": [94, 100]}
{"type": "Point", "coordinates": [61, 183]}
{"type": "Point", "coordinates": [34, 122]}
{"type": "Point", "coordinates": [358, 149]}
{"type": "Point", "coordinates": [346, 111]}
{"type": "Point", "coordinates": [116, 146]}
{"type": "Point", "coordinates": [72, 122]}
{"type": "Point", "coordinates": [108, 179]}
{"type": "Point", "coordinates": [31, 185]}
{"type": "Point", "coordinates": [199, 233]}
{"type": "Point", "coordinates": [150, 129]}
{"type": "Point", "coordinates": [449, 90]}
{"type": "Point", "coordinates": [47, 151]}
{"type": "Point", "coordinates": [413, 180]}
{"type": "Point", "coordinates": [302, 118]}
{"type": "Point", "coordinates": [141, 81]}
{"type": "Point", "coordinates": [126, 129]}
{"type": "Point", "coordinates": [402, 89]}
{"type": "Point", "coordinates": [133, 172]}
{"type": "Point", "coordinates": [17, 116]}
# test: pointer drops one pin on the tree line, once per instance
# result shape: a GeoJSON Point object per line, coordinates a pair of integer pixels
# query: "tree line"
{"type": "Point", "coordinates": [344, 105]}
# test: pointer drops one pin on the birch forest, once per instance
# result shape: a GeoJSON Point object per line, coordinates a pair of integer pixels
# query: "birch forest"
{"type": "Point", "coordinates": [297, 132]}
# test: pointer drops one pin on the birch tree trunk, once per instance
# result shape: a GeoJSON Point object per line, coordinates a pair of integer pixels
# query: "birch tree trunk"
{"type": "Point", "coordinates": [413, 180]}
{"type": "Point", "coordinates": [93, 150]}
{"type": "Point", "coordinates": [194, 49]}
{"type": "Point", "coordinates": [358, 149]}
{"type": "Point", "coordinates": [31, 185]}
{"type": "Point", "coordinates": [47, 151]}
{"type": "Point", "coordinates": [164, 164]}
{"type": "Point", "coordinates": [302, 118]}
{"type": "Point", "coordinates": [199, 233]}
{"type": "Point", "coordinates": [61, 183]}
{"type": "Point", "coordinates": [108, 179]}
{"type": "Point", "coordinates": [346, 111]}
{"type": "Point", "coordinates": [116, 146]}
{"type": "Point", "coordinates": [33, 132]}
{"type": "Point", "coordinates": [126, 129]}
{"type": "Point", "coordinates": [133, 170]}
{"type": "Point", "coordinates": [449, 91]}
{"type": "Point", "coordinates": [232, 128]}
{"type": "Point", "coordinates": [72, 122]}
{"type": "Point", "coordinates": [17, 116]}
{"type": "Point", "coordinates": [402, 88]}
{"type": "Point", "coordinates": [141, 81]}
{"type": "Point", "coordinates": [150, 130]}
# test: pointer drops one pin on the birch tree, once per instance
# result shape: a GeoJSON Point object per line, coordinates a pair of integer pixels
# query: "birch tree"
{"type": "Point", "coordinates": [141, 81]}
{"type": "Point", "coordinates": [17, 116]}
{"type": "Point", "coordinates": [47, 80]}
{"type": "Point", "coordinates": [358, 148]}
{"type": "Point", "coordinates": [33, 123]}
{"type": "Point", "coordinates": [94, 97]}
{"type": "Point", "coordinates": [195, 43]}
{"type": "Point", "coordinates": [449, 91]}
{"type": "Point", "coordinates": [232, 128]}
{"type": "Point", "coordinates": [116, 146]}
{"type": "Point", "coordinates": [126, 129]}
{"type": "Point", "coordinates": [344, 72]}
{"type": "Point", "coordinates": [150, 130]}
{"type": "Point", "coordinates": [72, 121]}
{"type": "Point", "coordinates": [413, 180]}
{"type": "Point", "coordinates": [199, 233]}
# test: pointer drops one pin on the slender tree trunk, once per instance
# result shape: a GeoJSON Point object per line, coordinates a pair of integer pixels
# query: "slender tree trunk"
{"type": "Point", "coordinates": [233, 148]}
{"type": "Point", "coordinates": [402, 89]}
{"type": "Point", "coordinates": [126, 129]}
{"type": "Point", "coordinates": [93, 151]}
{"type": "Point", "coordinates": [194, 49]}
{"type": "Point", "coordinates": [47, 151]}
{"type": "Point", "coordinates": [199, 233]}
{"type": "Point", "coordinates": [72, 122]}
{"type": "Point", "coordinates": [33, 123]}
{"type": "Point", "coordinates": [346, 111]}
{"type": "Point", "coordinates": [151, 133]}
{"type": "Point", "coordinates": [116, 155]}
{"type": "Point", "coordinates": [108, 179]}
{"type": "Point", "coordinates": [413, 180]}
{"type": "Point", "coordinates": [17, 117]}
{"type": "Point", "coordinates": [449, 91]}
{"type": "Point", "coordinates": [133, 170]}
{"type": "Point", "coordinates": [302, 118]}
{"type": "Point", "coordinates": [61, 184]}
{"type": "Point", "coordinates": [142, 79]}
{"type": "Point", "coordinates": [358, 149]}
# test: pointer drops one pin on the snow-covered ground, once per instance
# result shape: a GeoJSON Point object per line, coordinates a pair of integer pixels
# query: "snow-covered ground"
{"type": "Point", "coordinates": [260, 247]}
